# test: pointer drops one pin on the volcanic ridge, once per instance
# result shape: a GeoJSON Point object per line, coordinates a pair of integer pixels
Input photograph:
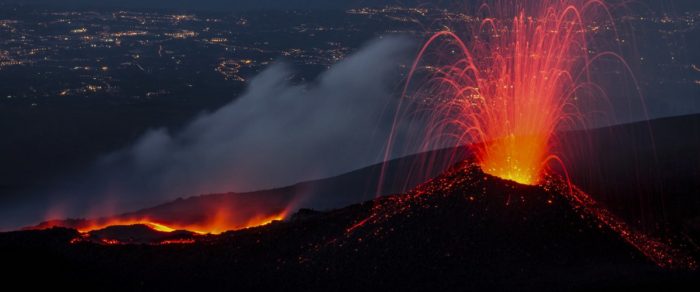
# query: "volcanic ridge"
{"type": "Point", "coordinates": [463, 228]}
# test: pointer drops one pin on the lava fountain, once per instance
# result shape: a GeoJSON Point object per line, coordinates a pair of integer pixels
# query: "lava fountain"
{"type": "Point", "coordinates": [512, 82]}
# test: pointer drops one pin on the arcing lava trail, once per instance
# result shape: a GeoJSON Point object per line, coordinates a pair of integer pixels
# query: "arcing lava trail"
{"type": "Point", "coordinates": [508, 84]}
{"type": "Point", "coordinates": [521, 73]}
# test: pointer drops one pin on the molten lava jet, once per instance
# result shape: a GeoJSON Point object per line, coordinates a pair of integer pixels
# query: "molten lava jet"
{"type": "Point", "coordinates": [515, 79]}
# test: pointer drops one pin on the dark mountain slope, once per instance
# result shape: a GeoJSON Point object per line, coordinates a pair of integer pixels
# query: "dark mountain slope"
{"type": "Point", "coordinates": [646, 172]}
{"type": "Point", "coordinates": [324, 194]}
{"type": "Point", "coordinates": [464, 230]}
{"type": "Point", "coordinates": [653, 186]}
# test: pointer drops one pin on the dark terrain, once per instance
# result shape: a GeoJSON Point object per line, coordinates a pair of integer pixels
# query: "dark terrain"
{"type": "Point", "coordinates": [461, 231]}
{"type": "Point", "coordinates": [653, 188]}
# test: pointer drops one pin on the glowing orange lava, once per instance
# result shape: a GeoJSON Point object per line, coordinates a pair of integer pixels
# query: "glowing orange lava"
{"type": "Point", "coordinates": [213, 227]}
{"type": "Point", "coordinates": [217, 225]}
{"type": "Point", "coordinates": [101, 224]}
{"type": "Point", "coordinates": [512, 82]}
{"type": "Point", "coordinates": [213, 214]}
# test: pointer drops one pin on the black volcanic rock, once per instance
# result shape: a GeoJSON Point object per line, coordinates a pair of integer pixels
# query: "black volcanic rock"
{"type": "Point", "coordinates": [477, 229]}
{"type": "Point", "coordinates": [464, 230]}
{"type": "Point", "coordinates": [305, 214]}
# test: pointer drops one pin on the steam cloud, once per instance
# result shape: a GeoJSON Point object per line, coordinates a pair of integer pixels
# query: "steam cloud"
{"type": "Point", "coordinates": [277, 133]}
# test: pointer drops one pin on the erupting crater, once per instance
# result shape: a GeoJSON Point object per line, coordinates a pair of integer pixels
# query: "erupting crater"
{"type": "Point", "coordinates": [521, 74]}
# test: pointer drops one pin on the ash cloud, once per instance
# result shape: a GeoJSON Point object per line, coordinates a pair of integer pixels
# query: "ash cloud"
{"type": "Point", "coordinates": [276, 134]}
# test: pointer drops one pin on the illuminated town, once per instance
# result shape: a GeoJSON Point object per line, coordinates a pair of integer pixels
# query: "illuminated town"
{"type": "Point", "coordinates": [90, 53]}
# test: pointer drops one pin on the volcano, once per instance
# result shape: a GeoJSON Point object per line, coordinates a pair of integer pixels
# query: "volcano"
{"type": "Point", "coordinates": [462, 230]}
{"type": "Point", "coordinates": [674, 159]}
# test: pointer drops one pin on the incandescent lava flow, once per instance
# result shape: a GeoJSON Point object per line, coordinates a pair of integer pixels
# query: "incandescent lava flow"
{"type": "Point", "coordinates": [194, 219]}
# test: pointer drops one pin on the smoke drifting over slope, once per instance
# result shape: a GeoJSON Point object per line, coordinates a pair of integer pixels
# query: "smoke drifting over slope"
{"type": "Point", "coordinates": [277, 133]}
